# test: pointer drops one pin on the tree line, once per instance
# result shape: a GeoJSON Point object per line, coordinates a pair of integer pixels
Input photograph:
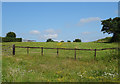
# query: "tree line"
{"type": "Point", "coordinates": [76, 40]}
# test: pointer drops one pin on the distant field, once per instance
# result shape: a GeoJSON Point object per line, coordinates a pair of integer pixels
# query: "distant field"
{"type": "Point", "coordinates": [62, 68]}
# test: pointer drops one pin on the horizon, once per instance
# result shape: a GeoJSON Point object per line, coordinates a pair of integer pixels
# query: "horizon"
{"type": "Point", "coordinates": [57, 20]}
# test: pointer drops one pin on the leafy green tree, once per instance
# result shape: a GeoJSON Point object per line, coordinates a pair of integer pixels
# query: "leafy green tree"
{"type": "Point", "coordinates": [77, 40]}
{"type": "Point", "coordinates": [68, 41]}
{"type": "Point", "coordinates": [0, 39]}
{"type": "Point", "coordinates": [112, 26]}
{"type": "Point", "coordinates": [11, 34]}
{"type": "Point", "coordinates": [49, 40]}
{"type": "Point", "coordinates": [61, 41]}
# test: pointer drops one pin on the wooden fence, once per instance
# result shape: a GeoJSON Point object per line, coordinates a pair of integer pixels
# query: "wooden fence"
{"type": "Point", "coordinates": [6, 49]}
{"type": "Point", "coordinates": [95, 50]}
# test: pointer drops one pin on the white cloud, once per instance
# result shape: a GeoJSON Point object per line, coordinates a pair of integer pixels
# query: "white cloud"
{"type": "Point", "coordinates": [52, 36]}
{"type": "Point", "coordinates": [43, 35]}
{"type": "Point", "coordinates": [87, 20]}
{"type": "Point", "coordinates": [50, 33]}
{"type": "Point", "coordinates": [36, 32]}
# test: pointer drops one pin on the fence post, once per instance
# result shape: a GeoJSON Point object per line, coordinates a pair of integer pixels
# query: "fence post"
{"type": "Point", "coordinates": [14, 49]}
{"type": "Point", "coordinates": [42, 51]}
{"type": "Point", "coordinates": [75, 53]}
{"type": "Point", "coordinates": [57, 51]}
{"type": "Point", "coordinates": [27, 50]}
{"type": "Point", "coordinates": [95, 55]}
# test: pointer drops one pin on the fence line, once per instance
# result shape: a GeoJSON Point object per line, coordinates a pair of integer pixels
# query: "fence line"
{"type": "Point", "coordinates": [7, 49]}
{"type": "Point", "coordinates": [62, 49]}
{"type": "Point", "coordinates": [67, 48]}
{"type": "Point", "coordinates": [95, 50]}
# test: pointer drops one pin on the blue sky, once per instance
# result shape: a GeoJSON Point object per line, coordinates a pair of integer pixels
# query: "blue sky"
{"type": "Point", "coordinates": [60, 0]}
{"type": "Point", "coordinates": [57, 20]}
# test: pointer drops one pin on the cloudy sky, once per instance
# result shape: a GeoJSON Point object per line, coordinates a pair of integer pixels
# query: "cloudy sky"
{"type": "Point", "coordinates": [57, 20]}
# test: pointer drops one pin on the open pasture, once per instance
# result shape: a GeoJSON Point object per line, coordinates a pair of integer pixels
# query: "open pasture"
{"type": "Point", "coordinates": [34, 67]}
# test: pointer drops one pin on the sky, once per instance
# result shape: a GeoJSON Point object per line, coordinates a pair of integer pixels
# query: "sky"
{"type": "Point", "coordinates": [57, 20]}
{"type": "Point", "coordinates": [60, 0]}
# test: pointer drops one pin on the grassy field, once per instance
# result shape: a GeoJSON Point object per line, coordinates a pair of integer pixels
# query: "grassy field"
{"type": "Point", "coordinates": [62, 68]}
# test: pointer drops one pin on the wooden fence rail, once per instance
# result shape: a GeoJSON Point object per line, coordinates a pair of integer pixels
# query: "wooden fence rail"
{"type": "Point", "coordinates": [61, 49]}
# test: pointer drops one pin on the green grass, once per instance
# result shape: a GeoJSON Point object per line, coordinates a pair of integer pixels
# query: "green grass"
{"type": "Point", "coordinates": [105, 40]}
{"type": "Point", "coordinates": [62, 68]}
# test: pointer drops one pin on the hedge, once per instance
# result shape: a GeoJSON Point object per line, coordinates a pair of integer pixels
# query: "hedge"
{"type": "Point", "coordinates": [77, 40]}
{"type": "Point", "coordinates": [10, 39]}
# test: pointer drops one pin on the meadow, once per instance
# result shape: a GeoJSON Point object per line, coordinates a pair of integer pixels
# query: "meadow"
{"type": "Point", "coordinates": [34, 67]}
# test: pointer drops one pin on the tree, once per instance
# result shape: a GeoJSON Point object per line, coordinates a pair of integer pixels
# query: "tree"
{"type": "Point", "coordinates": [112, 26]}
{"type": "Point", "coordinates": [49, 40]}
{"type": "Point", "coordinates": [61, 41]}
{"type": "Point", "coordinates": [11, 37]}
{"type": "Point", "coordinates": [77, 40]}
{"type": "Point", "coordinates": [11, 34]}
{"type": "Point", "coordinates": [68, 41]}
{"type": "Point", "coordinates": [0, 39]}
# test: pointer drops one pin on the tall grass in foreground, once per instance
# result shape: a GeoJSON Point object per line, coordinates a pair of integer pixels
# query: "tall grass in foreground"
{"type": "Point", "coordinates": [62, 68]}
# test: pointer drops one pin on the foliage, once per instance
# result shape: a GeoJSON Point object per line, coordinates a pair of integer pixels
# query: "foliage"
{"type": "Point", "coordinates": [104, 40]}
{"type": "Point", "coordinates": [112, 26]}
{"type": "Point", "coordinates": [68, 41]}
{"type": "Point", "coordinates": [61, 41]}
{"type": "Point", "coordinates": [0, 39]}
{"type": "Point", "coordinates": [49, 40]}
{"type": "Point", "coordinates": [77, 40]}
{"type": "Point", "coordinates": [11, 34]}
{"type": "Point", "coordinates": [10, 39]}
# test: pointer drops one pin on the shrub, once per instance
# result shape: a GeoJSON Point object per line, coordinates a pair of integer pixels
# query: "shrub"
{"type": "Point", "coordinates": [10, 39]}
{"type": "Point", "coordinates": [77, 40]}
{"type": "Point", "coordinates": [68, 41]}
{"type": "Point", "coordinates": [49, 40]}
{"type": "Point", "coordinates": [0, 39]}
{"type": "Point", "coordinates": [105, 40]}
{"type": "Point", "coordinates": [18, 39]}
{"type": "Point", "coordinates": [62, 41]}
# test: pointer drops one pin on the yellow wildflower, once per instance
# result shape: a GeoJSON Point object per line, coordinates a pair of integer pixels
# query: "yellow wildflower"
{"type": "Point", "coordinates": [48, 80]}
{"type": "Point", "coordinates": [59, 79]}
{"type": "Point", "coordinates": [58, 72]}
{"type": "Point", "coordinates": [99, 77]}
{"type": "Point", "coordinates": [91, 77]}
{"type": "Point", "coordinates": [59, 44]}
